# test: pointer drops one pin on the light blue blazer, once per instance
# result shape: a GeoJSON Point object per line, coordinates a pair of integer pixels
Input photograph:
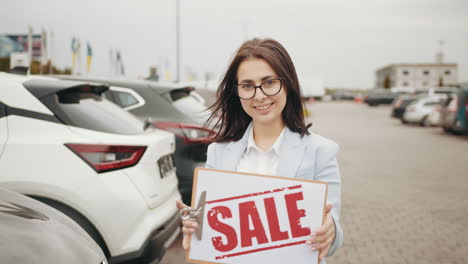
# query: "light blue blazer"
{"type": "Point", "coordinates": [311, 157]}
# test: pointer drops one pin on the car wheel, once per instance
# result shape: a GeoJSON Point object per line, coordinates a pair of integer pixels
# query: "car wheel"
{"type": "Point", "coordinates": [79, 219]}
{"type": "Point", "coordinates": [403, 121]}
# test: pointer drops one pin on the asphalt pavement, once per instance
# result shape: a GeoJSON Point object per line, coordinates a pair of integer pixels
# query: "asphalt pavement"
{"type": "Point", "coordinates": [405, 188]}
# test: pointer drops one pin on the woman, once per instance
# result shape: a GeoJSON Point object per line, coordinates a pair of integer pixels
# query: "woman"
{"type": "Point", "coordinates": [262, 130]}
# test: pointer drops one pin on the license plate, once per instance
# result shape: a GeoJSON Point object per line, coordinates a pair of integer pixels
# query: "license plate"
{"type": "Point", "coordinates": [166, 165]}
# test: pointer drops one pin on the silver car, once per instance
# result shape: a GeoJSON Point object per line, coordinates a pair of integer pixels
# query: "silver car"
{"type": "Point", "coordinates": [32, 232]}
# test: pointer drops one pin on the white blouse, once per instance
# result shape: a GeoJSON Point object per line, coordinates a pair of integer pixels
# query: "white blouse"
{"type": "Point", "coordinates": [255, 160]}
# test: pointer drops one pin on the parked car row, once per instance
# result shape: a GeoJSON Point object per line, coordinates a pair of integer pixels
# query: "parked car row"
{"type": "Point", "coordinates": [380, 96]}
{"type": "Point", "coordinates": [388, 96]}
{"type": "Point", "coordinates": [70, 145]}
{"type": "Point", "coordinates": [447, 108]}
{"type": "Point", "coordinates": [343, 96]}
{"type": "Point", "coordinates": [168, 106]}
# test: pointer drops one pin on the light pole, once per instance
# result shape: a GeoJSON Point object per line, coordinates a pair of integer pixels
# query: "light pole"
{"type": "Point", "coordinates": [440, 61]}
{"type": "Point", "coordinates": [177, 40]}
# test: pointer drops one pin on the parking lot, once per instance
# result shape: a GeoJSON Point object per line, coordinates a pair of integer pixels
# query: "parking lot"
{"type": "Point", "coordinates": [405, 188]}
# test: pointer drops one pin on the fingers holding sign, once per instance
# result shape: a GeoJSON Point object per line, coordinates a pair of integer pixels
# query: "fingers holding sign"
{"type": "Point", "coordinates": [322, 238]}
{"type": "Point", "coordinates": [188, 227]}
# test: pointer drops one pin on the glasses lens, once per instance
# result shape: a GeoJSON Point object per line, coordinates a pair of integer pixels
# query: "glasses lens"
{"type": "Point", "coordinates": [245, 91]}
{"type": "Point", "coordinates": [271, 87]}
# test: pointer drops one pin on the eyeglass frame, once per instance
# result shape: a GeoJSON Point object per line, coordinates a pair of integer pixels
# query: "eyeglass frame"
{"type": "Point", "coordinates": [260, 87]}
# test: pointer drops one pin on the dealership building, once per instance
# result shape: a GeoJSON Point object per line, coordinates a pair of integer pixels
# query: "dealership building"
{"type": "Point", "coordinates": [417, 75]}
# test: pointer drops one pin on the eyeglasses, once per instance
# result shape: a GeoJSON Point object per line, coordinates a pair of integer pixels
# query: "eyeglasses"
{"type": "Point", "coordinates": [269, 87]}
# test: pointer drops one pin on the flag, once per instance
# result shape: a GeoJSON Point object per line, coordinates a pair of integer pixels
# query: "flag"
{"type": "Point", "coordinates": [88, 57]}
{"type": "Point", "coordinates": [30, 50]}
{"type": "Point", "coordinates": [74, 48]}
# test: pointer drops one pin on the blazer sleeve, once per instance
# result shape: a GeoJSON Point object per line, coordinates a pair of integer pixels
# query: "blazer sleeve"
{"type": "Point", "coordinates": [327, 170]}
{"type": "Point", "coordinates": [211, 156]}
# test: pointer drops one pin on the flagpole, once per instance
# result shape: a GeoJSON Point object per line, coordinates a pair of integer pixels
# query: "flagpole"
{"type": "Point", "coordinates": [30, 51]}
{"type": "Point", "coordinates": [51, 49]}
{"type": "Point", "coordinates": [177, 40]}
{"type": "Point", "coordinates": [43, 50]}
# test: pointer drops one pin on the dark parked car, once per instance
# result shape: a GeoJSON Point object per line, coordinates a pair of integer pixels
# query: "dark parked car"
{"type": "Point", "coordinates": [171, 107]}
{"type": "Point", "coordinates": [378, 97]}
{"type": "Point", "coordinates": [343, 96]}
{"type": "Point", "coordinates": [401, 103]}
{"type": "Point", "coordinates": [454, 112]}
{"type": "Point", "coordinates": [32, 232]}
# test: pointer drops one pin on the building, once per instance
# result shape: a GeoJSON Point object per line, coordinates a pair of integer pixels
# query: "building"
{"type": "Point", "coordinates": [417, 76]}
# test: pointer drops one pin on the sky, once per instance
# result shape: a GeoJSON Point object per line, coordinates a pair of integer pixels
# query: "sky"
{"type": "Point", "coordinates": [341, 43]}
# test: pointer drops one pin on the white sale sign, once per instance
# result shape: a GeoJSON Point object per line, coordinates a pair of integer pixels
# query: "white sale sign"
{"type": "Point", "coordinates": [248, 218]}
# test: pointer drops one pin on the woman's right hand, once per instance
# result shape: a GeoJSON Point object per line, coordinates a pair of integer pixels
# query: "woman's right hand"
{"type": "Point", "coordinates": [188, 227]}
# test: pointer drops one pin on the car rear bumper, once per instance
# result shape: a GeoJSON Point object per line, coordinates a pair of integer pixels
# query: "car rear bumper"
{"type": "Point", "coordinates": [155, 245]}
{"type": "Point", "coordinates": [412, 117]}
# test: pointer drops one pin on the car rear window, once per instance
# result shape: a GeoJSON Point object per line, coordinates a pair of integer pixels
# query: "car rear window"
{"type": "Point", "coordinates": [192, 107]}
{"type": "Point", "coordinates": [179, 93]}
{"type": "Point", "coordinates": [94, 112]}
{"type": "Point", "coordinates": [447, 101]}
{"type": "Point", "coordinates": [2, 110]}
{"type": "Point", "coordinates": [431, 103]}
{"type": "Point", "coordinates": [125, 99]}
{"type": "Point", "coordinates": [406, 102]}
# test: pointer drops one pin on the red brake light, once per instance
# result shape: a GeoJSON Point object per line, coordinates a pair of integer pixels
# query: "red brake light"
{"type": "Point", "coordinates": [398, 102]}
{"type": "Point", "coordinates": [190, 133]}
{"type": "Point", "coordinates": [452, 107]}
{"type": "Point", "coordinates": [103, 158]}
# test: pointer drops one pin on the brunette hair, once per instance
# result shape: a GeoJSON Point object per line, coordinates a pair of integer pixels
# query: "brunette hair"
{"type": "Point", "coordinates": [232, 121]}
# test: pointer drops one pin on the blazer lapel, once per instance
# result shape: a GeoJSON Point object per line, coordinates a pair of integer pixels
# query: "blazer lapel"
{"type": "Point", "coordinates": [291, 154]}
{"type": "Point", "coordinates": [234, 150]}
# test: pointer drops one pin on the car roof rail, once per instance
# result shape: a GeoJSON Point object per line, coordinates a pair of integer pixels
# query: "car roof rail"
{"type": "Point", "coordinates": [19, 70]}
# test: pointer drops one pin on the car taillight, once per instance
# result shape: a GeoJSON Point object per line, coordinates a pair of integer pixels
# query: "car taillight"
{"type": "Point", "coordinates": [452, 107]}
{"type": "Point", "coordinates": [398, 102]}
{"type": "Point", "coordinates": [103, 158]}
{"type": "Point", "coordinates": [188, 132]}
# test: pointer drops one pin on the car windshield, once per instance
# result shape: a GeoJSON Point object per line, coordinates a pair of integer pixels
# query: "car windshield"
{"type": "Point", "coordinates": [92, 111]}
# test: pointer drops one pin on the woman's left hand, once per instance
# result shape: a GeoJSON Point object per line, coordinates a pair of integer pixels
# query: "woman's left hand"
{"type": "Point", "coordinates": [322, 238]}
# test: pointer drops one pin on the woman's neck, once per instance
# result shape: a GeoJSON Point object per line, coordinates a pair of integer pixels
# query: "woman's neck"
{"type": "Point", "coordinates": [265, 135]}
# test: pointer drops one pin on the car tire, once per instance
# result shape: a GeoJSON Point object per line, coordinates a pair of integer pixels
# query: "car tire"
{"type": "Point", "coordinates": [424, 122]}
{"type": "Point", "coordinates": [403, 121]}
{"type": "Point", "coordinates": [79, 219]}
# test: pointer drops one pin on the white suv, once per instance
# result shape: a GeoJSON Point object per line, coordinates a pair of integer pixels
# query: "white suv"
{"type": "Point", "coordinates": [64, 144]}
{"type": "Point", "coordinates": [420, 110]}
